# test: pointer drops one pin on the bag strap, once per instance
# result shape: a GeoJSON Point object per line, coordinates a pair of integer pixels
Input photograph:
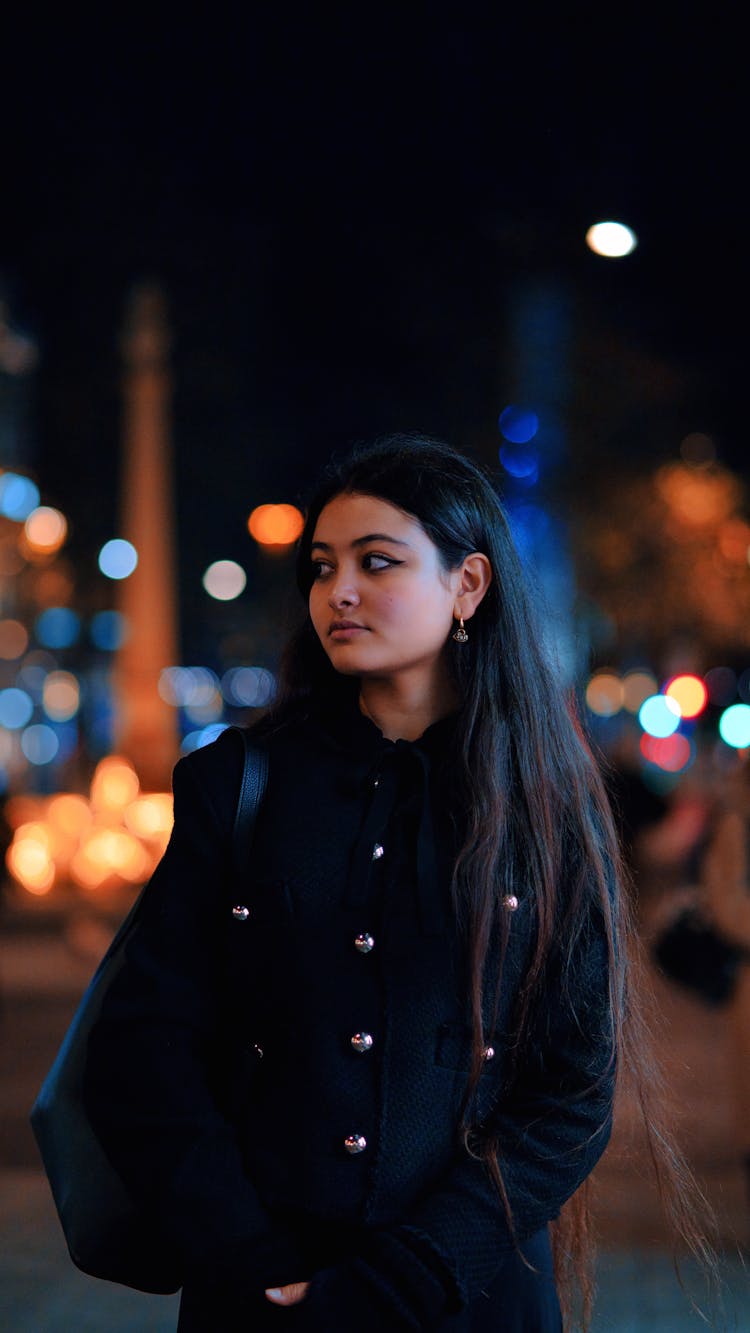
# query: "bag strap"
{"type": "Point", "coordinates": [252, 789]}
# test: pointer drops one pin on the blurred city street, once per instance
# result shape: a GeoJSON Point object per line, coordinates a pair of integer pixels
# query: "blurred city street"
{"type": "Point", "coordinates": [43, 969]}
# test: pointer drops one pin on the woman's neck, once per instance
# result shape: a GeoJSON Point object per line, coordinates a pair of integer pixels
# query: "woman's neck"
{"type": "Point", "coordinates": [404, 711]}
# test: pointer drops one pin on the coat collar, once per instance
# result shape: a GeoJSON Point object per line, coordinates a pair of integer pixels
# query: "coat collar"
{"type": "Point", "coordinates": [339, 715]}
{"type": "Point", "coordinates": [346, 728]}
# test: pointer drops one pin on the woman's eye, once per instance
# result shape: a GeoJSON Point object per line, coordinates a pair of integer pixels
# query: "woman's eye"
{"type": "Point", "coordinates": [384, 561]}
{"type": "Point", "coordinates": [320, 568]}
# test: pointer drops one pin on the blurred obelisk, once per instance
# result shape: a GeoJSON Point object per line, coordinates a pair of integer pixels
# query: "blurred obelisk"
{"type": "Point", "coordinates": [145, 726]}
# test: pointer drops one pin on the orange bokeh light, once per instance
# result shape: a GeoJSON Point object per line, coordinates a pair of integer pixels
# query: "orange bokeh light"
{"type": "Point", "coordinates": [45, 529]}
{"type": "Point", "coordinates": [275, 524]}
{"type": "Point", "coordinates": [689, 692]}
{"type": "Point", "coordinates": [14, 639]}
{"type": "Point", "coordinates": [115, 784]}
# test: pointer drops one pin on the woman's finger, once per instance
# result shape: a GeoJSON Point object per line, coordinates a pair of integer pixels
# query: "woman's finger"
{"type": "Point", "coordinates": [289, 1295]}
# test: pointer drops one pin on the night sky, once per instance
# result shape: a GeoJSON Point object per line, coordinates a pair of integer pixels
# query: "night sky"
{"type": "Point", "coordinates": [339, 210]}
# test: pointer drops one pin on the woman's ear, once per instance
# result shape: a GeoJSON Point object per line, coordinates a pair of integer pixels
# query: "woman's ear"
{"type": "Point", "coordinates": [475, 579]}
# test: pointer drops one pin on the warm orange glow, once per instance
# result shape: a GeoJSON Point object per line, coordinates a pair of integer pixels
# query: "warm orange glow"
{"type": "Point", "coordinates": [604, 694]}
{"type": "Point", "coordinates": [697, 497]}
{"type": "Point", "coordinates": [115, 784]}
{"type": "Point", "coordinates": [61, 695]}
{"type": "Point", "coordinates": [14, 639]}
{"type": "Point", "coordinates": [637, 686]}
{"type": "Point", "coordinates": [29, 862]}
{"type": "Point", "coordinates": [116, 838]}
{"type": "Point", "coordinates": [690, 693]}
{"type": "Point", "coordinates": [108, 854]}
{"type": "Point", "coordinates": [150, 816]}
{"type": "Point", "coordinates": [45, 530]}
{"type": "Point", "coordinates": [71, 814]}
{"type": "Point", "coordinates": [275, 525]}
{"type": "Point", "coordinates": [734, 541]}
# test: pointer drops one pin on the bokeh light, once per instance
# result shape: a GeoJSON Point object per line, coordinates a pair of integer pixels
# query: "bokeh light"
{"type": "Point", "coordinates": [518, 424]}
{"type": "Point", "coordinates": [151, 816]}
{"type": "Point", "coordinates": [39, 743]}
{"type": "Point", "coordinates": [183, 686]}
{"type": "Point", "coordinates": [637, 685]}
{"type": "Point", "coordinates": [57, 627]}
{"type": "Point", "coordinates": [523, 464]}
{"type": "Point", "coordinates": [604, 694]}
{"type": "Point", "coordinates": [70, 814]}
{"type": "Point", "coordinates": [689, 692]}
{"type": "Point", "coordinates": [673, 753]}
{"type": "Point", "coordinates": [118, 558]}
{"type": "Point", "coordinates": [18, 496]}
{"type": "Point", "coordinates": [611, 240]}
{"type": "Point", "coordinates": [224, 580]}
{"type": "Point", "coordinates": [659, 715]}
{"type": "Point", "coordinates": [108, 854]}
{"type": "Point", "coordinates": [14, 640]}
{"type": "Point", "coordinates": [275, 524]}
{"type": "Point", "coordinates": [734, 726]}
{"type": "Point", "coordinates": [248, 687]}
{"type": "Point", "coordinates": [195, 740]}
{"type": "Point", "coordinates": [108, 630]}
{"type": "Point", "coordinates": [721, 683]}
{"type": "Point", "coordinates": [29, 861]}
{"type": "Point", "coordinates": [61, 696]}
{"type": "Point", "coordinates": [16, 708]}
{"type": "Point", "coordinates": [45, 529]}
{"type": "Point", "coordinates": [114, 785]}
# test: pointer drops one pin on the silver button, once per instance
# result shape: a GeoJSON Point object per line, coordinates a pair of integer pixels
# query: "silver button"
{"type": "Point", "coordinates": [377, 851]}
{"type": "Point", "coordinates": [355, 1143]}
{"type": "Point", "coordinates": [240, 913]}
{"type": "Point", "coordinates": [362, 1041]}
{"type": "Point", "coordinates": [364, 943]}
{"type": "Point", "coordinates": [510, 902]}
{"type": "Point", "coordinates": [489, 1052]}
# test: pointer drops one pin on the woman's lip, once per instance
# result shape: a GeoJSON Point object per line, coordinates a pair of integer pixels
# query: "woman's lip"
{"type": "Point", "coordinates": [345, 632]}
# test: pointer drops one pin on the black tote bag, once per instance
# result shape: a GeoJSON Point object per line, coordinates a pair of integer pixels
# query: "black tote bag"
{"type": "Point", "coordinates": [107, 1234]}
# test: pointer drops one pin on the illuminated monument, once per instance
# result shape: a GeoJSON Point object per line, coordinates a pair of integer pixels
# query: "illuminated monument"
{"type": "Point", "coordinates": [146, 728]}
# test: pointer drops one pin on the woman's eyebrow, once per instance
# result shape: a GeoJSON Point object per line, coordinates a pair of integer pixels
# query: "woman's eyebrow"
{"type": "Point", "coordinates": [362, 541]}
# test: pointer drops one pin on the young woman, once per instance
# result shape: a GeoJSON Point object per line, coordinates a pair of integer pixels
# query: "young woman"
{"type": "Point", "coordinates": [356, 1087]}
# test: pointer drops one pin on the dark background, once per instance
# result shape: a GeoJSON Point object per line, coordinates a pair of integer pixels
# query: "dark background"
{"type": "Point", "coordinates": [339, 204]}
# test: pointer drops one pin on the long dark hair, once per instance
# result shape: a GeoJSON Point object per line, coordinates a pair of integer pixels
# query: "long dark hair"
{"type": "Point", "coordinates": [527, 795]}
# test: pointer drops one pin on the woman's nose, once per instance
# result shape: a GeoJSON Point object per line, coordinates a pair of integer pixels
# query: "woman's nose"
{"type": "Point", "coordinates": [343, 593]}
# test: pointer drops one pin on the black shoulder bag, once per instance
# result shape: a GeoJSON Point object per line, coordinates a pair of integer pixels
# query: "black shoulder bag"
{"type": "Point", "coordinates": [107, 1234]}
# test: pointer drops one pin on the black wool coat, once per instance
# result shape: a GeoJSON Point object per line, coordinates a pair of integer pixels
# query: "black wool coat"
{"type": "Point", "coordinates": [278, 1070]}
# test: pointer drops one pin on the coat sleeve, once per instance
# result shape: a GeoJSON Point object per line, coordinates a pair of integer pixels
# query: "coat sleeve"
{"type": "Point", "coordinates": [551, 1127]}
{"type": "Point", "coordinates": [148, 1088]}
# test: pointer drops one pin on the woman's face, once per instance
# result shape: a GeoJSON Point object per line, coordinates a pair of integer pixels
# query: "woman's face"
{"type": "Point", "coordinates": [376, 570]}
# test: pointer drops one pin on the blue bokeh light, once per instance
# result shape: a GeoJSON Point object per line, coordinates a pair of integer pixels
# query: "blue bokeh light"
{"type": "Point", "coordinates": [195, 740]}
{"type": "Point", "coordinates": [118, 558]}
{"type": "Point", "coordinates": [16, 708]}
{"type": "Point", "coordinates": [108, 630]}
{"type": "Point", "coordinates": [518, 424]}
{"type": "Point", "coordinates": [57, 627]}
{"type": "Point", "coordinates": [659, 715]}
{"type": "Point", "coordinates": [734, 726]}
{"type": "Point", "coordinates": [18, 496]}
{"type": "Point", "coordinates": [523, 464]}
{"type": "Point", "coordinates": [40, 744]}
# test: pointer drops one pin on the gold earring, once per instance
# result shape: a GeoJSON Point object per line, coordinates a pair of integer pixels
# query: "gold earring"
{"type": "Point", "coordinates": [460, 634]}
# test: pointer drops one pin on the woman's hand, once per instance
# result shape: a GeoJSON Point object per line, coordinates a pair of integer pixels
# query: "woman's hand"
{"type": "Point", "coordinates": [289, 1295]}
